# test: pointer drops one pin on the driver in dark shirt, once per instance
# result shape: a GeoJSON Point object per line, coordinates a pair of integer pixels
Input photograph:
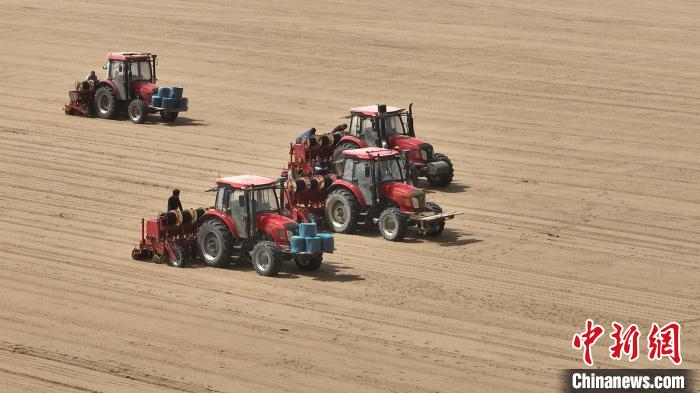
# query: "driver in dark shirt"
{"type": "Point", "coordinates": [174, 201]}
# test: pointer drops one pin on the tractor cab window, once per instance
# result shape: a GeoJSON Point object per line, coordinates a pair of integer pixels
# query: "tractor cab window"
{"type": "Point", "coordinates": [222, 195]}
{"type": "Point", "coordinates": [368, 132]}
{"type": "Point", "coordinates": [389, 171]}
{"type": "Point", "coordinates": [347, 169]}
{"type": "Point", "coordinates": [116, 70]}
{"type": "Point", "coordinates": [354, 128]}
{"type": "Point", "coordinates": [364, 182]}
{"type": "Point", "coordinates": [266, 200]}
{"type": "Point", "coordinates": [394, 126]}
{"type": "Point", "coordinates": [141, 70]}
{"type": "Point", "coordinates": [238, 211]}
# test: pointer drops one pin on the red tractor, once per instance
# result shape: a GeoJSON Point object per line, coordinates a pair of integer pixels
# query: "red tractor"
{"type": "Point", "coordinates": [369, 189]}
{"type": "Point", "coordinates": [392, 127]}
{"type": "Point", "coordinates": [130, 85]}
{"type": "Point", "coordinates": [244, 222]}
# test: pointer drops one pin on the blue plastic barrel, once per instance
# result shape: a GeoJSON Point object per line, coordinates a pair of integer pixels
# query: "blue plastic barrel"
{"type": "Point", "coordinates": [156, 101]}
{"type": "Point", "coordinates": [183, 103]}
{"type": "Point", "coordinates": [313, 245]}
{"type": "Point", "coordinates": [307, 229]}
{"type": "Point", "coordinates": [176, 92]}
{"type": "Point", "coordinates": [163, 92]}
{"type": "Point", "coordinates": [168, 102]}
{"type": "Point", "coordinates": [298, 244]}
{"type": "Point", "coordinates": [327, 242]}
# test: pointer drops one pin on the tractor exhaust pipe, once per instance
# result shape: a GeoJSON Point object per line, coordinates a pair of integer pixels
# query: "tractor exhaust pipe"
{"type": "Point", "coordinates": [409, 121]}
{"type": "Point", "coordinates": [381, 111]}
{"type": "Point", "coordinates": [282, 181]}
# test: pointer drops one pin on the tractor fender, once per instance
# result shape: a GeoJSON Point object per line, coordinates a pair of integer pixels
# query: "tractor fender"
{"type": "Point", "coordinates": [111, 85]}
{"type": "Point", "coordinates": [348, 186]}
{"type": "Point", "coordinates": [353, 139]}
{"type": "Point", "coordinates": [213, 214]}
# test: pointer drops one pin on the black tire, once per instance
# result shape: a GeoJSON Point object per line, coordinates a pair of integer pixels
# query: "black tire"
{"type": "Point", "coordinates": [342, 211]}
{"type": "Point", "coordinates": [215, 243]}
{"type": "Point", "coordinates": [433, 207]}
{"type": "Point", "coordinates": [338, 155]}
{"type": "Point", "coordinates": [393, 224]}
{"type": "Point", "coordinates": [308, 263]}
{"type": "Point", "coordinates": [443, 180]}
{"type": "Point", "coordinates": [137, 111]}
{"type": "Point", "coordinates": [140, 255]}
{"type": "Point", "coordinates": [266, 258]}
{"type": "Point", "coordinates": [180, 257]}
{"type": "Point", "coordinates": [106, 103]}
{"type": "Point", "coordinates": [436, 229]}
{"type": "Point", "coordinates": [168, 116]}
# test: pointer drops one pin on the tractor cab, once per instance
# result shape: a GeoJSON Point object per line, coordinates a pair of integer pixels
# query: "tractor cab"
{"type": "Point", "coordinates": [243, 197]}
{"type": "Point", "coordinates": [392, 127]}
{"type": "Point", "coordinates": [374, 171]}
{"type": "Point", "coordinates": [127, 71]}
{"type": "Point", "coordinates": [375, 123]}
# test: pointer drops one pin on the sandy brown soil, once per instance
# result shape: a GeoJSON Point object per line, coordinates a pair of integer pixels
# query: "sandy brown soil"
{"type": "Point", "coordinates": [573, 127]}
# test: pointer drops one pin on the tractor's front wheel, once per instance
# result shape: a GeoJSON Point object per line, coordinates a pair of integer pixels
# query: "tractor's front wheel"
{"type": "Point", "coordinates": [266, 258]}
{"type": "Point", "coordinates": [106, 103]}
{"type": "Point", "coordinates": [342, 211]}
{"type": "Point", "coordinates": [215, 243]}
{"type": "Point", "coordinates": [308, 263]}
{"type": "Point", "coordinates": [168, 116]}
{"type": "Point", "coordinates": [444, 179]}
{"type": "Point", "coordinates": [137, 111]}
{"type": "Point", "coordinates": [393, 224]}
{"type": "Point", "coordinates": [180, 257]}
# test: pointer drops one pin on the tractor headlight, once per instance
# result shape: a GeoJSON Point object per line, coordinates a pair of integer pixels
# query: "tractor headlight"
{"type": "Point", "coordinates": [424, 155]}
{"type": "Point", "coordinates": [416, 202]}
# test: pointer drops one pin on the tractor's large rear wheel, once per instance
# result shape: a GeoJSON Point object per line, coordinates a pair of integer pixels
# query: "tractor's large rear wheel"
{"type": "Point", "coordinates": [137, 111]}
{"type": "Point", "coordinates": [393, 224]}
{"type": "Point", "coordinates": [338, 155]}
{"type": "Point", "coordinates": [266, 258]}
{"type": "Point", "coordinates": [106, 103]}
{"type": "Point", "coordinates": [444, 179]}
{"type": "Point", "coordinates": [342, 211]}
{"type": "Point", "coordinates": [215, 243]}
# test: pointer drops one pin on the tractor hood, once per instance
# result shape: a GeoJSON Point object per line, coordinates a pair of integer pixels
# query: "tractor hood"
{"type": "Point", "coordinates": [404, 142]}
{"type": "Point", "coordinates": [145, 90]}
{"type": "Point", "coordinates": [404, 196]}
{"type": "Point", "coordinates": [274, 225]}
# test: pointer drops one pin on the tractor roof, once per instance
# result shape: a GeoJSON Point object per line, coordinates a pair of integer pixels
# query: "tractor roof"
{"type": "Point", "coordinates": [372, 110]}
{"type": "Point", "coordinates": [123, 56]}
{"type": "Point", "coordinates": [368, 153]}
{"type": "Point", "coordinates": [245, 181]}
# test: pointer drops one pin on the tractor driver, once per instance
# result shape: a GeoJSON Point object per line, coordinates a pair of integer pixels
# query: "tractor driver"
{"type": "Point", "coordinates": [92, 77]}
{"type": "Point", "coordinates": [340, 128]}
{"type": "Point", "coordinates": [174, 201]}
{"type": "Point", "coordinates": [306, 134]}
